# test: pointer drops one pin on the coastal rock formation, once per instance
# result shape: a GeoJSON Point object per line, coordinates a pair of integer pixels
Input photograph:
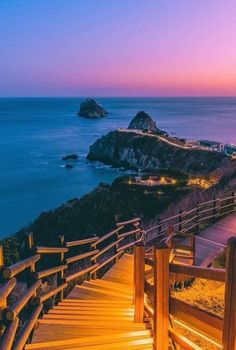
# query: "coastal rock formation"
{"type": "Point", "coordinates": [143, 121]}
{"type": "Point", "coordinates": [91, 109]}
{"type": "Point", "coordinates": [70, 157]}
{"type": "Point", "coordinates": [132, 150]}
{"type": "Point", "coordinates": [68, 166]}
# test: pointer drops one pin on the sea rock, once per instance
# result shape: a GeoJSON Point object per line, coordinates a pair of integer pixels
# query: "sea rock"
{"type": "Point", "coordinates": [91, 109]}
{"type": "Point", "coordinates": [70, 157]}
{"type": "Point", "coordinates": [69, 166]}
{"type": "Point", "coordinates": [137, 151]}
{"type": "Point", "coordinates": [143, 121]}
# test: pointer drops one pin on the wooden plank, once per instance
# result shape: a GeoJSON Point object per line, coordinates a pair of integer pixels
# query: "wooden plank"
{"type": "Point", "coordinates": [198, 318]}
{"type": "Point", "coordinates": [50, 250]}
{"type": "Point", "coordinates": [87, 341]}
{"type": "Point", "coordinates": [49, 272]}
{"type": "Point", "coordinates": [11, 271]}
{"type": "Point", "coordinates": [229, 327]}
{"type": "Point", "coordinates": [81, 242]}
{"type": "Point", "coordinates": [181, 340]}
{"type": "Point", "coordinates": [127, 222]}
{"type": "Point", "coordinates": [13, 311]}
{"type": "Point", "coordinates": [81, 272]}
{"type": "Point", "coordinates": [78, 257]}
{"type": "Point", "coordinates": [199, 272]}
{"type": "Point", "coordinates": [52, 292]}
{"type": "Point", "coordinates": [105, 249]}
{"type": "Point", "coordinates": [9, 335]}
{"type": "Point", "coordinates": [108, 235]}
{"type": "Point", "coordinates": [21, 341]}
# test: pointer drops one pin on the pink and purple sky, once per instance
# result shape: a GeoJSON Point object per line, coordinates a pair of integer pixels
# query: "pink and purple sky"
{"type": "Point", "coordinates": [118, 48]}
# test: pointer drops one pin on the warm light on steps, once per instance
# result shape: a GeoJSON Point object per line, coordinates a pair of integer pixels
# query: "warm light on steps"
{"type": "Point", "coordinates": [87, 341]}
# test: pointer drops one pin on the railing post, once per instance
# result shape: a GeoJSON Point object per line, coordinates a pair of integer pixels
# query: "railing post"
{"type": "Point", "coordinates": [161, 296]}
{"type": "Point", "coordinates": [3, 304]}
{"type": "Point", "coordinates": [193, 245]}
{"type": "Point", "coordinates": [233, 195]}
{"type": "Point", "coordinates": [216, 206]}
{"type": "Point", "coordinates": [180, 220]}
{"type": "Point", "coordinates": [229, 325]}
{"type": "Point", "coordinates": [29, 242]}
{"type": "Point", "coordinates": [93, 275]}
{"type": "Point", "coordinates": [61, 273]}
{"type": "Point", "coordinates": [139, 282]}
{"type": "Point", "coordinates": [197, 215]}
{"type": "Point", "coordinates": [116, 218]}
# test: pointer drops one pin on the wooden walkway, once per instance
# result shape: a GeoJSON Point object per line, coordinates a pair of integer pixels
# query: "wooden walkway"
{"type": "Point", "coordinates": [213, 240]}
{"type": "Point", "coordinates": [97, 315]}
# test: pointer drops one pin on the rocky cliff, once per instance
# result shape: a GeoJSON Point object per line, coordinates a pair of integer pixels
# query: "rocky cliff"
{"type": "Point", "coordinates": [133, 150]}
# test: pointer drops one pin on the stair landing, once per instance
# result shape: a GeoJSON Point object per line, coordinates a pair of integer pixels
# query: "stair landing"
{"type": "Point", "coordinates": [97, 315]}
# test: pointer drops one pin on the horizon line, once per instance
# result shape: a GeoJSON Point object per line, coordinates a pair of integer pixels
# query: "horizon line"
{"type": "Point", "coordinates": [120, 96]}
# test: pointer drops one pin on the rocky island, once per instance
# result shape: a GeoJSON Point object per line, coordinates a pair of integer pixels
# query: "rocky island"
{"type": "Point", "coordinates": [138, 148]}
{"type": "Point", "coordinates": [143, 121]}
{"type": "Point", "coordinates": [91, 109]}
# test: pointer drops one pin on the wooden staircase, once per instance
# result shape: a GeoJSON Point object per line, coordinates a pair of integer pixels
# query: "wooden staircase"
{"type": "Point", "coordinates": [97, 315]}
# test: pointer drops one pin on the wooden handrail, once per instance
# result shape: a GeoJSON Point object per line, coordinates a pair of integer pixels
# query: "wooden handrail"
{"type": "Point", "coordinates": [75, 258]}
{"type": "Point", "coordinates": [183, 342]}
{"type": "Point", "coordinates": [198, 318]}
{"type": "Point", "coordinates": [11, 271]}
{"type": "Point", "coordinates": [20, 343]}
{"type": "Point", "coordinates": [50, 250]}
{"type": "Point", "coordinates": [53, 292]}
{"type": "Point", "coordinates": [99, 266]}
{"type": "Point", "coordinates": [9, 335]}
{"type": "Point", "coordinates": [81, 272]}
{"type": "Point", "coordinates": [108, 235]}
{"type": "Point", "coordinates": [208, 273]}
{"type": "Point", "coordinates": [128, 245]}
{"type": "Point", "coordinates": [81, 242]}
{"type": "Point", "coordinates": [13, 311]}
{"type": "Point", "coordinates": [49, 272]}
{"type": "Point", "coordinates": [126, 234]}
{"type": "Point", "coordinates": [6, 288]}
{"type": "Point", "coordinates": [123, 223]}
{"type": "Point", "coordinates": [104, 250]}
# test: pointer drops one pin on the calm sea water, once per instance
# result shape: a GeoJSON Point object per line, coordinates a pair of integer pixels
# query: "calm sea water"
{"type": "Point", "coordinates": [36, 132]}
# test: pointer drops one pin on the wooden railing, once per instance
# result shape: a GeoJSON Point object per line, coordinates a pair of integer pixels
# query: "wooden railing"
{"type": "Point", "coordinates": [190, 220]}
{"type": "Point", "coordinates": [72, 263]}
{"type": "Point", "coordinates": [152, 297]}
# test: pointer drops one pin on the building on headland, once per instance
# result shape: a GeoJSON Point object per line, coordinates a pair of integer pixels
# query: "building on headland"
{"type": "Point", "coordinates": [211, 145]}
{"type": "Point", "coordinates": [230, 150]}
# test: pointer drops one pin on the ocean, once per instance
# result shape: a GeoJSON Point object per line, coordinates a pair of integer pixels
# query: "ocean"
{"type": "Point", "coordinates": [36, 132]}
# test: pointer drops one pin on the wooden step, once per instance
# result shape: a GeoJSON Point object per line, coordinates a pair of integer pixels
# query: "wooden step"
{"type": "Point", "coordinates": [104, 318]}
{"type": "Point", "coordinates": [112, 312]}
{"type": "Point", "coordinates": [87, 341]}
{"type": "Point", "coordinates": [45, 332]}
{"type": "Point", "coordinates": [85, 291]}
{"type": "Point", "coordinates": [109, 287]}
{"type": "Point", "coordinates": [127, 325]}
{"type": "Point", "coordinates": [126, 345]}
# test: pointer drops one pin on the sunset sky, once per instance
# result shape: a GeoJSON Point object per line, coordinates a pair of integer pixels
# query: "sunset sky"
{"type": "Point", "coordinates": [117, 47]}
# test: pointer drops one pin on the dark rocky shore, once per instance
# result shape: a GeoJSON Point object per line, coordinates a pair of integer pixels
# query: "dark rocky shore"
{"type": "Point", "coordinates": [134, 151]}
